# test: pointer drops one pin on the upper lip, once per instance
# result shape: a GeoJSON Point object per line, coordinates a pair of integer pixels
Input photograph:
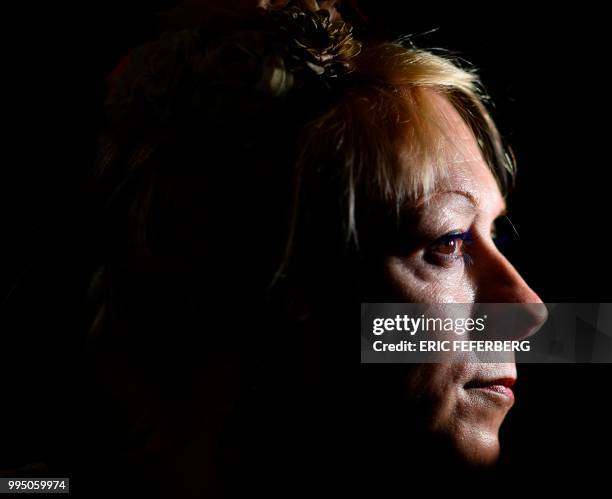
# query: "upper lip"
{"type": "Point", "coordinates": [507, 381]}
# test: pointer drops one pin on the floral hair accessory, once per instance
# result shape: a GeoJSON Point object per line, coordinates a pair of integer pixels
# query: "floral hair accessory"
{"type": "Point", "coordinates": [294, 46]}
{"type": "Point", "coordinates": [314, 45]}
{"type": "Point", "coordinates": [315, 42]}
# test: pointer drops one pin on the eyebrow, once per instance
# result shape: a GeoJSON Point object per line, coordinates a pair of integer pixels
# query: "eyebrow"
{"type": "Point", "coordinates": [466, 194]}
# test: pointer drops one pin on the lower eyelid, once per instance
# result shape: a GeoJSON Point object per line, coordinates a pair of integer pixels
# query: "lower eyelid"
{"type": "Point", "coordinates": [440, 259]}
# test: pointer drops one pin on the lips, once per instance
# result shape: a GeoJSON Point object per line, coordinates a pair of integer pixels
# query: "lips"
{"type": "Point", "coordinates": [499, 386]}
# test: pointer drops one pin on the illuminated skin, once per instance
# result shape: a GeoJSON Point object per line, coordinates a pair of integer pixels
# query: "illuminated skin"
{"type": "Point", "coordinates": [465, 402]}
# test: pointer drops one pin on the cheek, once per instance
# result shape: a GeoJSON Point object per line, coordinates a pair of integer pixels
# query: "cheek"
{"type": "Point", "coordinates": [432, 382]}
{"type": "Point", "coordinates": [436, 388]}
{"type": "Point", "coordinates": [413, 281]}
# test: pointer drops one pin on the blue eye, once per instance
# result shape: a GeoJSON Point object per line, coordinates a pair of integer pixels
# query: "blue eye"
{"type": "Point", "coordinates": [451, 246]}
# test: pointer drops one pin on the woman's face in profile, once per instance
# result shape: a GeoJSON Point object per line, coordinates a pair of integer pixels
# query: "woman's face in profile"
{"type": "Point", "coordinates": [454, 260]}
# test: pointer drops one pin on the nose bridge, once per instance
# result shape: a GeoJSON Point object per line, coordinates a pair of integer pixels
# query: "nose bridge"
{"type": "Point", "coordinates": [500, 282]}
{"type": "Point", "coordinates": [516, 310]}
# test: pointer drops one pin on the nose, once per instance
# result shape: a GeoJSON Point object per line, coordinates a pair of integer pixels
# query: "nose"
{"type": "Point", "coordinates": [515, 309]}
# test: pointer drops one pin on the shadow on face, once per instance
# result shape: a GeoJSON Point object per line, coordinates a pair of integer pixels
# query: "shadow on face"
{"type": "Point", "coordinates": [449, 256]}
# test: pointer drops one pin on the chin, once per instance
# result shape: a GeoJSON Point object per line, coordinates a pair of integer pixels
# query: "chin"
{"type": "Point", "coordinates": [464, 406]}
{"type": "Point", "coordinates": [465, 440]}
{"type": "Point", "coordinates": [471, 427]}
{"type": "Point", "coordinates": [475, 446]}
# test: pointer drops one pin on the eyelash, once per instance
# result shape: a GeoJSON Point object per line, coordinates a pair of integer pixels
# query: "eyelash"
{"type": "Point", "coordinates": [501, 241]}
{"type": "Point", "coordinates": [502, 237]}
{"type": "Point", "coordinates": [452, 237]}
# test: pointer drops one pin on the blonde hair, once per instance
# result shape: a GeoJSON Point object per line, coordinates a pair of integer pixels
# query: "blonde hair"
{"type": "Point", "coordinates": [186, 100]}
{"type": "Point", "coordinates": [358, 138]}
{"type": "Point", "coordinates": [207, 185]}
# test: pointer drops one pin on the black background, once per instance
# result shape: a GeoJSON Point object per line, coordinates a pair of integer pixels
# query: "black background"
{"type": "Point", "coordinates": [546, 72]}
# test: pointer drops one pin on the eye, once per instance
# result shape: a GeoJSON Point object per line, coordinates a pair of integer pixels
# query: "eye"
{"type": "Point", "coordinates": [450, 246]}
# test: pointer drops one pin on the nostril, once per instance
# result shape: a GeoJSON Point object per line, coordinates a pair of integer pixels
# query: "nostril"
{"type": "Point", "coordinates": [512, 321]}
{"type": "Point", "coordinates": [520, 320]}
{"type": "Point", "coordinates": [537, 315]}
{"type": "Point", "coordinates": [526, 319]}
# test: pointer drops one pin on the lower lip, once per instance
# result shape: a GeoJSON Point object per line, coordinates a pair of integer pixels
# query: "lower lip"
{"type": "Point", "coordinates": [501, 390]}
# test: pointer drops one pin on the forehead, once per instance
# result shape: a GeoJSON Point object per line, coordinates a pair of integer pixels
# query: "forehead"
{"type": "Point", "coordinates": [465, 172]}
